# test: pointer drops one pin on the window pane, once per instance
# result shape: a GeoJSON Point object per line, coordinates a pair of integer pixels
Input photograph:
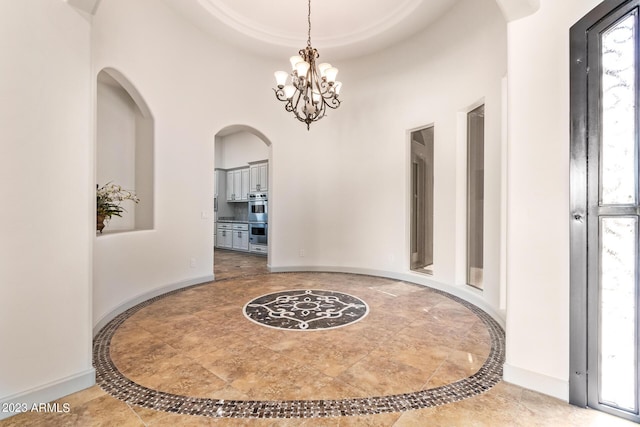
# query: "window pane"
{"type": "Point", "coordinates": [617, 311]}
{"type": "Point", "coordinates": [475, 197]}
{"type": "Point", "coordinates": [618, 163]}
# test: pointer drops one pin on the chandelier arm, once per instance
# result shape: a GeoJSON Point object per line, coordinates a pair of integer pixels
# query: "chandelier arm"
{"type": "Point", "coordinates": [299, 110]}
{"type": "Point", "coordinates": [332, 103]}
{"type": "Point", "coordinates": [279, 94]}
{"type": "Point", "coordinates": [288, 106]}
{"type": "Point", "coordinates": [320, 112]}
{"type": "Point", "coordinates": [294, 107]}
{"type": "Point", "coordinates": [325, 89]}
{"type": "Point", "coordinates": [329, 96]}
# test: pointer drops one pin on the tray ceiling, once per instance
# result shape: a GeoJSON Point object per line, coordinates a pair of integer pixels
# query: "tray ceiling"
{"type": "Point", "coordinates": [339, 28]}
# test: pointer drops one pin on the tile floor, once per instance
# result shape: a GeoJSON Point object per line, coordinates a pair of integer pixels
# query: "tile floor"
{"type": "Point", "coordinates": [197, 343]}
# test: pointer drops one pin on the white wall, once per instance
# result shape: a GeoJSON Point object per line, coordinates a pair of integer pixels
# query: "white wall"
{"type": "Point", "coordinates": [145, 172]}
{"type": "Point", "coordinates": [338, 192]}
{"type": "Point", "coordinates": [237, 149]}
{"type": "Point", "coordinates": [538, 197]}
{"type": "Point", "coordinates": [45, 166]}
{"type": "Point", "coordinates": [177, 69]}
{"type": "Point", "coordinates": [352, 168]}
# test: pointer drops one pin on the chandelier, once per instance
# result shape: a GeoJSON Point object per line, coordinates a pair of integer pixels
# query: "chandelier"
{"type": "Point", "coordinates": [311, 89]}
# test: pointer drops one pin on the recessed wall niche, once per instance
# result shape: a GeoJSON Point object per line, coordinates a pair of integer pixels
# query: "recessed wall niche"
{"type": "Point", "coordinates": [125, 146]}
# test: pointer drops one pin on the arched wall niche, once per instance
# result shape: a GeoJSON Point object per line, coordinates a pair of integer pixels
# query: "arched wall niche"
{"type": "Point", "coordinates": [125, 148]}
{"type": "Point", "coordinates": [129, 87]}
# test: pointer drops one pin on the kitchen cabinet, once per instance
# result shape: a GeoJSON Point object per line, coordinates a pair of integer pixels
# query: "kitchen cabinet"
{"type": "Point", "coordinates": [244, 184]}
{"type": "Point", "coordinates": [238, 185]}
{"type": "Point", "coordinates": [259, 249]}
{"type": "Point", "coordinates": [224, 236]}
{"type": "Point", "coordinates": [220, 205]}
{"type": "Point", "coordinates": [220, 183]}
{"type": "Point", "coordinates": [240, 239]}
{"type": "Point", "coordinates": [230, 192]}
{"type": "Point", "coordinates": [219, 196]}
{"type": "Point", "coordinates": [259, 176]}
{"type": "Point", "coordinates": [232, 235]}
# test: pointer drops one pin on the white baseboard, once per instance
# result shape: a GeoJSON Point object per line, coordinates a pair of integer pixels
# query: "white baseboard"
{"type": "Point", "coordinates": [46, 393]}
{"type": "Point", "coordinates": [419, 279]}
{"type": "Point", "coordinates": [146, 296]}
{"type": "Point", "coordinates": [541, 383]}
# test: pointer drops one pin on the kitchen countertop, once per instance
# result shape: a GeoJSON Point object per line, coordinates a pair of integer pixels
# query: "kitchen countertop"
{"type": "Point", "coordinates": [234, 220]}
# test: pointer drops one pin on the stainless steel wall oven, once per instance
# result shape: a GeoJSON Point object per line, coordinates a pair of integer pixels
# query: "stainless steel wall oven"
{"type": "Point", "coordinates": [258, 210]}
{"type": "Point", "coordinates": [258, 233]}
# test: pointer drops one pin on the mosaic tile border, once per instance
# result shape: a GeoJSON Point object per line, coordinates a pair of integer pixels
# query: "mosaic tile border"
{"type": "Point", "coordinates": [282, 310]}
{"type": "Point", "coordinates": [117, 385]}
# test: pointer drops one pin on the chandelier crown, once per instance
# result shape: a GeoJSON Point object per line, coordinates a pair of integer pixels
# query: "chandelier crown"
{"type": "Point", "coordinates": [309, 89]}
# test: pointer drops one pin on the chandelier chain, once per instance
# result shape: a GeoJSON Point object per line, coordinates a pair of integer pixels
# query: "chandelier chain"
{"type": "Point", "coordinates": [309, 20]}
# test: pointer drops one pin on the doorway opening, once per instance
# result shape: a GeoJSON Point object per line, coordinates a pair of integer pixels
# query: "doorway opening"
{"type": "Point", "coordinates": [242, 201]}
{"type": "Point", "coordinates": [421, 240]}
{"type": "Point", "coordinates": [475, 197]}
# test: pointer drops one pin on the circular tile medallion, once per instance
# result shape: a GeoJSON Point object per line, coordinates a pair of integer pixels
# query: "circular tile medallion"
{"type": "Point", "coordinates": [306, 309]}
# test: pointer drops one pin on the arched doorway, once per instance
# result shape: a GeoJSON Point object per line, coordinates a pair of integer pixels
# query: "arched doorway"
{"type": "Point", "coordinates": [242, 182]}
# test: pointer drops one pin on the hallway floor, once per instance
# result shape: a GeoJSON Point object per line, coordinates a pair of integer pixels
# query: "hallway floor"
{"type": "Point", "coordinates": [418, 357]}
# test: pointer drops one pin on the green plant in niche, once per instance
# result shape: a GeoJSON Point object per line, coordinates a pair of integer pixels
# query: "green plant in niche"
{"type": "Point", "coordinates": [108, 200]}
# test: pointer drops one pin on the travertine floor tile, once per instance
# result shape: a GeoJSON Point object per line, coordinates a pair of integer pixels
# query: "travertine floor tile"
{"type": "Point", "coordinates": [198, 343]}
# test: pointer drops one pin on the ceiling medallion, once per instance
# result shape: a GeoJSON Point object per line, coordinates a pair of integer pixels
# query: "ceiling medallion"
{"type": "Point", "coordinates": [312, 89]}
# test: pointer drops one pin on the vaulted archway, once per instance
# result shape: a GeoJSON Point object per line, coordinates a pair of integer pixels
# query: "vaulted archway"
{"type": "Point", "coordinates": [243, 193]}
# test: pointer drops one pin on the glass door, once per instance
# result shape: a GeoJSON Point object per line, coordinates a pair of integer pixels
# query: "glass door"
{"type": "Point", "coordinates": [613, 216]}
{"type": "Point", "coordinates": [609, 159]}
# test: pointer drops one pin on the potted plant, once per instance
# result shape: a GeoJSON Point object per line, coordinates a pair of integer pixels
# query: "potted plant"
{"type": "Point", "coordinates": [108, 199]}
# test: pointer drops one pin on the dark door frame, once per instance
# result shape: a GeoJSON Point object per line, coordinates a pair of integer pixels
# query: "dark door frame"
{"type": "Point", "coordinates": [581, 135]}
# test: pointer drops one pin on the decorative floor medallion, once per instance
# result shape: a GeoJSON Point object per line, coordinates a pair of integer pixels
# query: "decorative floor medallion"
{"type": "Point", "coordinates": [306, 309]}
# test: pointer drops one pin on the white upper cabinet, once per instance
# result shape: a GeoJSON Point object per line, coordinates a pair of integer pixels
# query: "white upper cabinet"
{"type": "Point", "coordinates": [259, 177]}
{"type": "Point", "coordinates": [244, 184]}
{"type": "Point", "coordinates": [220, 183]}
{"type": "Point", "coordinates": [230, 193]}
{"type": "Point", "coordinates": [238, 185]}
